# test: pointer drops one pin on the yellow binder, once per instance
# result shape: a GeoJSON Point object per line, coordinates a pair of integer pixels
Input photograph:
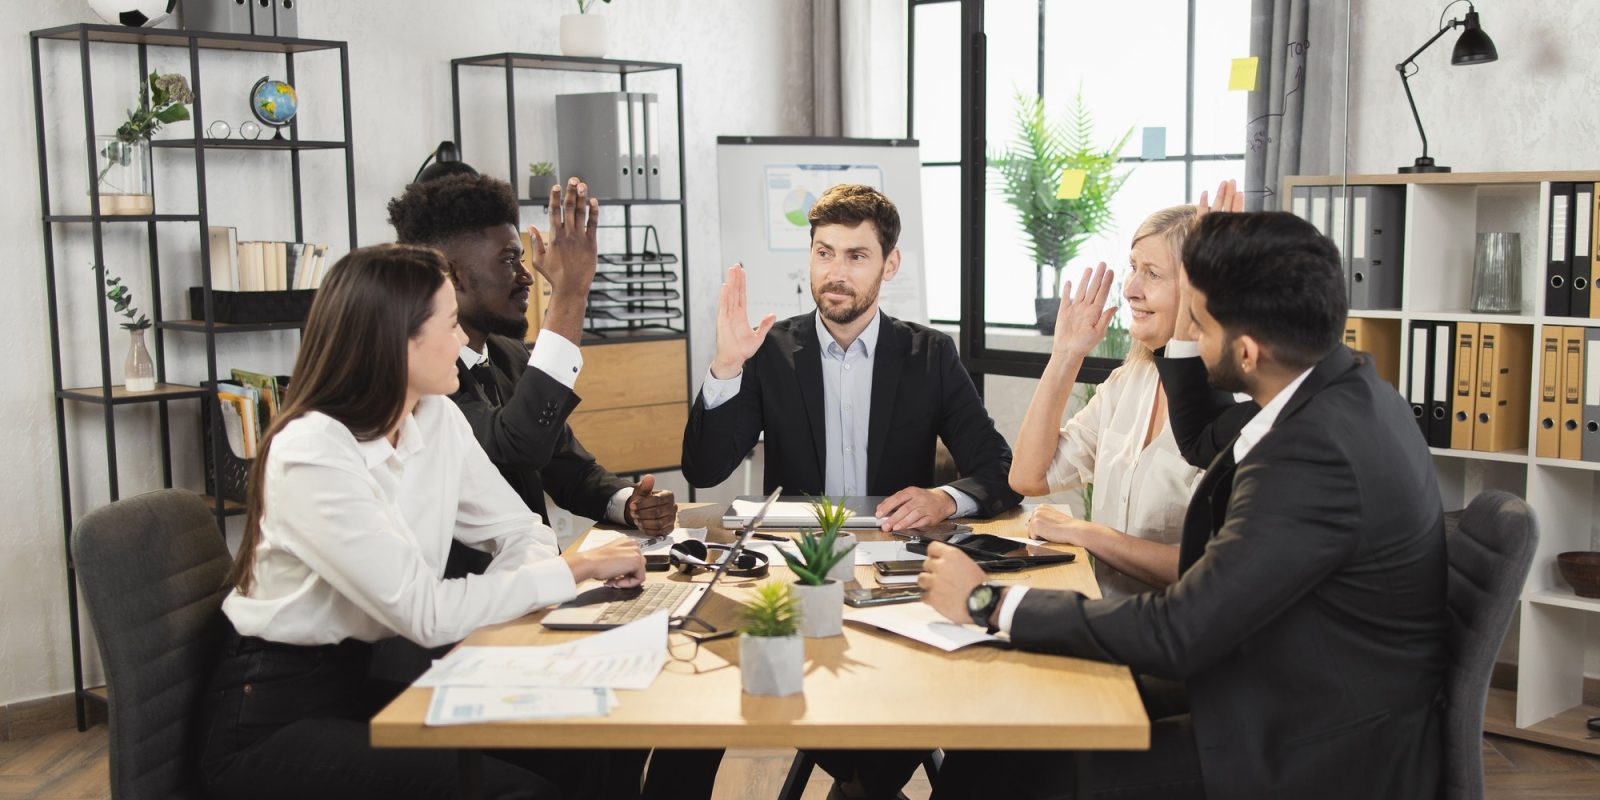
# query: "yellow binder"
{"type": "Point", "coordinates": [1505, 353]}
{"type": "Point", "coordinates": [1548, 438]}
{"type": "Point", "coordinates": [1379, 338]}
{"type": "Point", "coordinates": [1571, 400]}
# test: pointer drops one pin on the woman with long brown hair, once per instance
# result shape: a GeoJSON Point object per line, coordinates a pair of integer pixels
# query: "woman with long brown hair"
{"type": "Point", "coordinates": [361, 484]}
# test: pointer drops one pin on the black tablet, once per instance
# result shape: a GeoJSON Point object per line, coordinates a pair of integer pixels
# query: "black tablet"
{"type": "Point", "coordinates": [987, 547]}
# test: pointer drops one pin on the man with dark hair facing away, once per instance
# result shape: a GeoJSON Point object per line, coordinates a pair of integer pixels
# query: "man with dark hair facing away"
{"type": "Point", "coordinates": [1307, 627]}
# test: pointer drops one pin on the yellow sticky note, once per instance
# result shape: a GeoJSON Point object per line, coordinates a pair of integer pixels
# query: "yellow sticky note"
{"type": "Point", "coordinates": [1071, 184]}
{"type": "Point", "coordinates": [1242, 78]}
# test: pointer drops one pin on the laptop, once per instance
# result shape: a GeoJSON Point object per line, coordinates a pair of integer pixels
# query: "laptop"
{"type": "Point", "coordinates": [795, 512]}
{"type": "Point", "coordinates": [606, 607]}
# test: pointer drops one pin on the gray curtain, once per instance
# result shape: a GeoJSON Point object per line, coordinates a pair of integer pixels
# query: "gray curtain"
{"type": "Point", "coordinates": [1277, 108]}
{"type": "Point", "coordinates": [826, 74]}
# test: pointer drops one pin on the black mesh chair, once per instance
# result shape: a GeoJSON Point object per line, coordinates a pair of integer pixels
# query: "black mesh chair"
{"type": "Point", "coordinates": [152, 569]}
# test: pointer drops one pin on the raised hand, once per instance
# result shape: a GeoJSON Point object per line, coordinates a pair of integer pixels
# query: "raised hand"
{"type": "Point", "coordinates": [568, 262]}
{"type": "Point", "coordinates": [1083, 318]}
{"type": "Point", "coordinates": [651, 511]}
{"type": "Point", "coordinates": [736, 340]}
{"type": "Point", "coordinates": [1229, 199]}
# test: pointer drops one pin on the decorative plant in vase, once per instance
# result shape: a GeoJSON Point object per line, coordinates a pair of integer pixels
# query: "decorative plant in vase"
{"type": "Point", "coordinates": [820, 591]}
{"type": "Point", "coordinates": [772, 654]}
{"type": "Point", "coordinates": [1030, 172]}
{"type": "Point", "coordinates": [124, 182]}
{"type": "Point", "coordinates": [583, 34]}
{"type": "Point", "coordinates": [541, 176]}
{"type": "Point", "coordinates": [138, 369]}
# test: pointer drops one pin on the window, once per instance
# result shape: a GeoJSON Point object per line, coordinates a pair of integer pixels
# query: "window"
{"type": "Point", "coordinates": [1139, 65]}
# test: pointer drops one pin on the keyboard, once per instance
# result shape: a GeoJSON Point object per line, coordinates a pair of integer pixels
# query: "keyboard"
{"type": "Point", "coordinates": [652, 597]}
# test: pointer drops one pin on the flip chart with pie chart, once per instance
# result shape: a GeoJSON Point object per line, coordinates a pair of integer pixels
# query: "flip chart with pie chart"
{"type": "Point", "coordinates": [767, 187]}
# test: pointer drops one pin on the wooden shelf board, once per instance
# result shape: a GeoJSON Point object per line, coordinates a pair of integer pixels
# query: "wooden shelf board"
{"type": "Point", "coordinates": [1566, 730]}
{"type": "Point", "coordinates": [1571, 321]}
{"type": "Point", "coordinates": [250, 144]}
{"type": "Point", "coordinates": [1376, 313]}
{"type": "Point", "coordinates": [1441, 178]}
{"type": "Point", "coordinates": [100, 693]}
{"type": "Point", "coordinates": [568, 63]}
{"type": "Point", "coordinates": [1508, 456]}
{"type": "Point", "coordinates": [1457, 315]}
{"type": "Point", "coordinates": [199, 326]}
{"type": "Point", "coordinates": [121, 396]}
{"type": "Point", "coordinates": [1563, 597]}
{"type": "Point", "coordinates": [122, 218]}
{"type": "Point", "coordinates": [171, 37]}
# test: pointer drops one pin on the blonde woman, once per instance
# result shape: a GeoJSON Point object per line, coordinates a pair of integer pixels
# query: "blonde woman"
{"type": "Point", "coordinates": [1120, 440]}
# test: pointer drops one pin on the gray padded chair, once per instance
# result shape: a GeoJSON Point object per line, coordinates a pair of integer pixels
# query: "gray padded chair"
{"type": "Point", "coordinates": [1489, 552]}
{"type": "Point", "coordinates": [152, 569]}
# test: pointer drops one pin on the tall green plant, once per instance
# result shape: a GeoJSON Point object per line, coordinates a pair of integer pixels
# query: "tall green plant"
{"type": "Point", "coordinates": [1030, 173]}
{"type": "Point", "coordinates": [772, 611]}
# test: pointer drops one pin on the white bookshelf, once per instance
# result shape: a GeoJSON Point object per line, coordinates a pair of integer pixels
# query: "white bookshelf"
{"type": "Point", "coordinates": [1444, 213]}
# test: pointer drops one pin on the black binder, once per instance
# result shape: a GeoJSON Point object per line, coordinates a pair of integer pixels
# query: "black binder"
{"type": "Point", "coordinates": [1419, 373]}
{"type": "Point", "coordinates": [1441, 367]}
{"type": "Point", "coordinates": [1377, 245]}
{"type": "Point", "coordinates": [1558, 273]}
{"type": "Point", "coordinates": [1582, 238]}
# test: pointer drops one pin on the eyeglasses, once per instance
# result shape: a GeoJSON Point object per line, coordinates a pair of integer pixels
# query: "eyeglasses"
{"type": "Point", "coordinates": [684, 646]}
{"type": "Point", "coordinates": [219, 129]}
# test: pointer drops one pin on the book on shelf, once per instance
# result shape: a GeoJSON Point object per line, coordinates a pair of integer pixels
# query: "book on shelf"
{"type": "Point", "coordinates": [240, 417]}
{"type": "Point", "coordinates": [270, 397]}
{"type": "Point", "coordinates": [262, 266]}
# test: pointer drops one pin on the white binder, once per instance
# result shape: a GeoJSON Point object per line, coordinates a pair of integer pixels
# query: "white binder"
{"type": "Point", "coordinates": [636, 149]}
{"type": "Point", "coordinates": [652, 147]}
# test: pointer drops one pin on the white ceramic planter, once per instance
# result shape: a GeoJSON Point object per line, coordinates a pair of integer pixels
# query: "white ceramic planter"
{"type": "Point", "coordinates": [821, 608]}
{"type": "Point", "coordinates": [845, 570]}
{"type": "Point", "coordinates": [772, 665]}
{"type": "Point", "coordinates": [583, 35]}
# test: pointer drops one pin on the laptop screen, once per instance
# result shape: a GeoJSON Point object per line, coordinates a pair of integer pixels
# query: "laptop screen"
{"type": "Point", "coordinates": [734, 551]}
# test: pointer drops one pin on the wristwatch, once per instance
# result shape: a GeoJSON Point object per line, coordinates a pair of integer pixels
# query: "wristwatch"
{"type": "Point", "coordinates": [981, 603]}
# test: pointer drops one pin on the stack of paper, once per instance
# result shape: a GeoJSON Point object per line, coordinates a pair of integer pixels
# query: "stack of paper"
{"type": "Point", "coordinates": [921, 622]}
{"type": "Point", "coordinates": [576, 679]}
{"type": "Point", "coordinates": [649, 545]}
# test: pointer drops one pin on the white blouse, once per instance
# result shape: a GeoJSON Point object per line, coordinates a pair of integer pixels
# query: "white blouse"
{"type": "Point", "coordinates": [1141, 491]}
{"type": "Point", "coordinates": [355, 537]}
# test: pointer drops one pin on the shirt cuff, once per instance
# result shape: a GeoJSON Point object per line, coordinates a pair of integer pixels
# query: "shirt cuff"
{"type": "Point", "coordinates": [1008, 607]}
{"type": "Point", "coordinates": [1182, 349]}
{"type": "Point", "coordinates": [552, 581]}
{"type": "Point", "coordinates": [716, 391]}
{"type": "Point", "coordinates": [555, 356]}
{"type": "Point", "coordinates": [616, 509]}
{"type": "Point", "coordinates": [965, 505]}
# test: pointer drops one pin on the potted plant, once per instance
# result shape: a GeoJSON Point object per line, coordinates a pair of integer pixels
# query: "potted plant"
{"type": "Point", "coordinates": [584, 35]}
{"type": "Point", "coordinates": [772, 656]}
{"type": "Point", "coordinates": [138, 370]}
{"type": "Point", "coordinates": [831, 517]}
{"type": "Point", "coordinates": [541, 176]}
{"type": "Point", "coordinates": [1030, 174]}
{"type": "Point", "coordinates": [124, 184]}
{"type": "Point", "coordinates": [821, 597]}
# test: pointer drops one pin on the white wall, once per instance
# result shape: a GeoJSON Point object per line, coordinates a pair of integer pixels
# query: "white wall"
{"type": "Point", "coordinates": [747, 70]}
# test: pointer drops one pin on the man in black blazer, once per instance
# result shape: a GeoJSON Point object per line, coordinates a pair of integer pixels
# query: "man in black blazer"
{"type": "Point", "coordinates": [1308, 624]}
{"type": "Point", "coordinates": [516, 401]}
{"type": "Point", "coordinates": [851, 400]}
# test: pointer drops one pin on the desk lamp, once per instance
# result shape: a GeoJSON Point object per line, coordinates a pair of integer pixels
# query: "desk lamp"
{"type": "Point", "coordinates": [444, 160]}
{"type": "Point", "coordinates": [1474, 47]}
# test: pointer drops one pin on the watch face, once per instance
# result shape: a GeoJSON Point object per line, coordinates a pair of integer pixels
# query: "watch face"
{"type": "Point", "coordinates": [978, 602]}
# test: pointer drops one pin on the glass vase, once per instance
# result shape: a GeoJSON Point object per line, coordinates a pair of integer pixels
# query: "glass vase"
{"type": "Point", "coordinates": [124, 182]}
{"type": "Point", "coordinates": [1497, 274]}
{"type": "Point", "coordinates": [138, 369]}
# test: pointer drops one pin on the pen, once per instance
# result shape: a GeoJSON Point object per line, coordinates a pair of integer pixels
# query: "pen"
{"type": "Point", "coordinates": [771, 537]}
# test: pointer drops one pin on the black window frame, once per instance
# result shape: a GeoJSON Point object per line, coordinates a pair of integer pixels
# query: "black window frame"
{"type": "Point", "coordinates": [976, 355]}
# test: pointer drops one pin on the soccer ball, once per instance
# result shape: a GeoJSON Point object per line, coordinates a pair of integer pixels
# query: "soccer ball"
{"type": "Point", "coordinates": [134, 13]}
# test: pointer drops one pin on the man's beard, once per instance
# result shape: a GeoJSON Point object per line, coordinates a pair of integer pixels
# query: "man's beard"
{"type": "Point", "coordinates": [1226, 375]}
{"type": "Point", "coordinates": [487, 322]}
{"type": "Point", "coordinates": [844, 315]}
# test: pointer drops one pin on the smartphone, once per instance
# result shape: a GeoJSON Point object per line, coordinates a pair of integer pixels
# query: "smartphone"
{"type": "Point", "coordinates": [910, 567]}
{"type": "Point", "coordinates": [657, 563]}
{"type": "Point", "coordinates": [881, 596]}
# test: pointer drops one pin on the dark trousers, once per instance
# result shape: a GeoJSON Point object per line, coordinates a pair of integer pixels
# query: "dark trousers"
{"type": "Point", "coordinates": [1169, 770]}
{"type": "Point", "coordinates": [875, 773]}
{"type": "Point", "coordinates": [287, 721]}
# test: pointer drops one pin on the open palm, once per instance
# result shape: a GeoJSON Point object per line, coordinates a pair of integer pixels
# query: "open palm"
{"type": "Point", "coordinates": [1083, 318]}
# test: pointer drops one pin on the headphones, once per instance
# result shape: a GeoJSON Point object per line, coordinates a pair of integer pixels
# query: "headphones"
{"type": "Point", "coordinates": [691, 555]}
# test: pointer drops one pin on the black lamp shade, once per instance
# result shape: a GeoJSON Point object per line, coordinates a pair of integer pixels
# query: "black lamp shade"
{"type": "Point", "coordinates": [440, 169]}
{"type": "Point", "coordinates": [1474, 46]}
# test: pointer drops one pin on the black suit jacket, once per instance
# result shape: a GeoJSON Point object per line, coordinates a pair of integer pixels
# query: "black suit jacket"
{"type": "Point", "coordinates": [1308, 622]}
{"type": "Point", "coordinates": [920, 392]}
{"type": "Point", "coordinates": [528, 437]}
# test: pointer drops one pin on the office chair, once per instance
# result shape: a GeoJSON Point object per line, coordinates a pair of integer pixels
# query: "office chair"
{"type": "Point", "coordinates": [152, 569]}
{"type": "Point", "coordinates": [1489, 552]}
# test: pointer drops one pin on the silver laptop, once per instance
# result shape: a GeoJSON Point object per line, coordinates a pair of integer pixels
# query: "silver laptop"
{"type": "Point", "coordinates": [606, 607]}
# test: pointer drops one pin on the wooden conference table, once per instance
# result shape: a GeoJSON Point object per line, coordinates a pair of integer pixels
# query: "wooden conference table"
{"type": "Point", "coordinates": [867, 689]}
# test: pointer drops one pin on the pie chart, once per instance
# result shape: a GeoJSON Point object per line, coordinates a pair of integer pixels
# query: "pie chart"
{"type": "Point", "coordinates": [797, 206]}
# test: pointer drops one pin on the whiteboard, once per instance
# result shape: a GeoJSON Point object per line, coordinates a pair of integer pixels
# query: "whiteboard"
{"type": "Point", "coordinates": [766, 185]}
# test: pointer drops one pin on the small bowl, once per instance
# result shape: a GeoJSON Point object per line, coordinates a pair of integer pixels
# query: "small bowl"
{"type": "Point", "coordinates": [1581, 568]}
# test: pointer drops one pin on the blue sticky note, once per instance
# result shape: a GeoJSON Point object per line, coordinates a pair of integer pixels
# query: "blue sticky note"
{"type": "Point", "coordinates": [1155, 144]}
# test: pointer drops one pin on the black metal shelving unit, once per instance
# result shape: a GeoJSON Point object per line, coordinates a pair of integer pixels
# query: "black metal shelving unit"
{"type": "Point", "coordinates": [107, 395]}
{"type": "Point", "coordinates": [640, 318]}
